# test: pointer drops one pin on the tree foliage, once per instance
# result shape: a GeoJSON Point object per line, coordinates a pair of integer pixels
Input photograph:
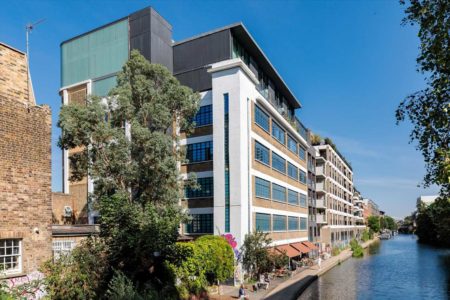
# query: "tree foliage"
{"type": "Point", "coordinates": [130, 150]}
{"type": "Point", "coordinates": [374, 223]}
{"type": "Point", "coordinates": [433, 223]}
{"type": "Point", "coordinates": [429, 109]}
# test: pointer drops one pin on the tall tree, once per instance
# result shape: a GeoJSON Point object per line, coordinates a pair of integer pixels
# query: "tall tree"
{"type": "Point", "coordinates": [131, 152]}
{"type": "Point", "coordinates": [429, 109]}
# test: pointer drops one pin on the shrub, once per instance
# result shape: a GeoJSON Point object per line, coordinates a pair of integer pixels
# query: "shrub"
{"type": "Point", "coordinates": [79, 275]}
{"type": "Point", "coordinates": [365, 235]}
{"type": "Point", "coordinates": [335, 251]}
{"type": "Point", "coordinates": [357, 249]}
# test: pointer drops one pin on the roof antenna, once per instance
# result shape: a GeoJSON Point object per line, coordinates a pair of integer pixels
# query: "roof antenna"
{"type": "Point", "coordinates": [29, 27]}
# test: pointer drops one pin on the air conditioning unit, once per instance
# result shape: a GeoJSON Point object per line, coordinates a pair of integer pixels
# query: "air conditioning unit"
{"type": "Point", "coordinates": [68, 212]}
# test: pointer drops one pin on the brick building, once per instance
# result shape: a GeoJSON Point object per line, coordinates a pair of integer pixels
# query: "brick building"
{"type": "Point", "coordinates": [25, 170]}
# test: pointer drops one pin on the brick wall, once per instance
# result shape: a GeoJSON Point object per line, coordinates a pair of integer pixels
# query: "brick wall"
{"type": "Point", "coordinates": [25, 164]}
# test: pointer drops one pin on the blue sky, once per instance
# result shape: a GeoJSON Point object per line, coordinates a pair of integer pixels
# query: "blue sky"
{"type": "Point", "coordinates": [349, 62]}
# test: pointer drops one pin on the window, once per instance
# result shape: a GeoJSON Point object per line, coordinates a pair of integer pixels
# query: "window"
{"type": "Point", "coordinates": [262, 153]}
{"type": "Point", "coordinates": [302, 177]}
{"type": "Point", "coordinates": [292, 171]}
{"type": "Point", "coordinates": [10, 256]}
{"type": "Point", "coordinates": [205, 188]}
{"type": "Point", "coordinates": [227, 160]}
{"type": "Point", "coordinates": [62, 247]}
{"type": "Point", "coordinates": [301, 153]}
{"type": "Point", "coordinates": [303, 200]}
{"type": "Point", "coordinates": [201, 223]}
{"type": "Point", "coordinates": [261, 118]}
{"type": "Point", "coordinates": [278, 133]}
{"type": "Point", "coordinates": [292, 197]}
{"type": "Point", "coordinates": [279, 223]}
{"type": "Point", "coordinates": [278, 192]}
{"type": "Point", "coordinates": [200, 152]}
{"type": "Point", "coordinates": [303, 223]}
{"type": "Point", "coordinates": [203, 116]}
{"type": "Point", "coordinates": [278, 163]}
{"type": "Point", "coordinates": [262, 222]}
{"type": "Point", "coordinates": [292, 144]}
{"type": "Point", "coordinates": [262, 188]}
{"type": "Point", "coordinates": [292, 223]}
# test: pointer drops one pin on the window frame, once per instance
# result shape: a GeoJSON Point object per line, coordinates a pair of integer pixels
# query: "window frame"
{"type": "Point", "coordinates": [206, 222]}
{"type": "Point", "coordinates": [290, 192]}
{"type": "Point", "coordinates": [209, 111]}
{"type": "Point", "coordinates": [289, 139]}
{"type": "Point", "coordinates": [273, 193]}
{"type": "Point", "coordinates": [264, 148]}
{"type": "Point", "coordinates": [290, 165]}
{"type": "Point", "coordinates": [209, 152]}
{"type": "Point", "coordinates": [302, 152]}
{"type": "Point", "coordinates": [301, 172]}
{"type": "Point", "coordinates": [290, 218]}
{"type": "Point", "coordinates": [259, 109]}
{"type": "Point", "coordinates": [300, 198]}
{"type": "Point", "coordinates": [269, 221]}
{"type": "Point", "coordinates": [269, 187]}
{"type": "Point", "coordinates": [276, 125]}
{"type": "Point", "coordinates": [195, 194]}
{"type": "Point", "coordinates": [19, 255]}
{"type": "Point", "coordinates": [306, 224]}
{"type": "Point", "coordinates": [277, 222]}
{"type": "Point", "coordinates": [280, 158]}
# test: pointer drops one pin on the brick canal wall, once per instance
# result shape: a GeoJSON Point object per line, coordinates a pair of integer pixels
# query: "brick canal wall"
{"type": "Point", "coordinates": [25, 163]}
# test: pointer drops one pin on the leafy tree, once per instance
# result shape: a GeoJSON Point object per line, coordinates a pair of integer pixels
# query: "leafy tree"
{"type": "Point", "coordinates": [374, 223]}
{"type": "Point", "coordinates": [390, 223]}
{"type": "Point", "coordinates": [219, 258]}
{"type": "Point", "coordinates": [255, 253]}
{"type": "Point", "coordinates": [433, 223]}
{"type": "Point", "coordinates": [132, 158]}
{"type": "Point", "coordinates": [429, 109]}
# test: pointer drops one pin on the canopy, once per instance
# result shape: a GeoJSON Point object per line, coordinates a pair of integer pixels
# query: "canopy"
{"type": "Point", "coordinates": [301, 247]}
{"type": "Point", "coordinates": [288, 250]}
{"type": "Point", "coordinates": [310, 245]}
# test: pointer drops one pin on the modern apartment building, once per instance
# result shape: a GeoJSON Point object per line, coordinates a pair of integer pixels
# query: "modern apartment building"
{"type": "Point", "coordinates": [249, 151]}
{"type": "Point", "coordinates": [358, 207]}
{"type": "Point", "coordinates": [334, 186]}
{"type": "Point", "coordinates": [25, 172]}
{"type": "Point", "coordinates": [89, 64]}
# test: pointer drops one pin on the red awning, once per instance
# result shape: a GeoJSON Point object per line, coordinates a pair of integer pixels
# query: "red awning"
{"type": "Point", "coordinates": [301, 247]}
{"type": "Point", "coordinates": [288, 250]}
{"type": "Point", "coordinates": [310, 245]}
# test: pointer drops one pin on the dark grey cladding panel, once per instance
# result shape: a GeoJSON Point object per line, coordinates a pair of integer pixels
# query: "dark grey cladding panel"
{"type": "Point", "coordinates": [152, 36]}
{"type": "Point", "coordinates": [198, 79]}
{"type": "Point", "coordinates": [202, 51]}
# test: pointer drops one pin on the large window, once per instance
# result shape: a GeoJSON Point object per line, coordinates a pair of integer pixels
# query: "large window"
{"type": "Point", "coordinates": [262, 222]}
{"type": "Point", "coordinates": [303, 200]}
{"type": "Point", "coordinates": [261, 118]}
{"type": "Point", "coordinates": [278, 133]}
{"type": "Point", "coordinates": [201, 223]}
{"type": "Point", "coordinates": [303, 223]}
{"type": "Point", "coordinates": [205, 188]}
{"type": "Point", "coordinates": [302, 177]}
{"type": "Point", "coordinates": [292, 144]}
{"type": "Point", "coordinates": [200, 152]}
{"type": "Point", "coordinates": [10, 256]}
{"type": "Point", "coordinates": [292, 197]}
{"type": "Point", "coordinates": [262, 188]}
{"type": "Point", "coordinates": [293, 223]}
{"type": "Point", "coordinates": [203, 116]}
{"type": "Point", "coordinates": [278, 163]}
{"type": "Point", "coordinates": [261, 153]}
{"type": "Point", "coordinates": [62, 247]}
{"type": "Point", "coordinates": [278, 193]}
{"type": "Point", "coordinates": [279, 223]}
{"type": "Point", "coordinates": [292, 171]}
{"type": "Point", "coordinates": [302, 153]}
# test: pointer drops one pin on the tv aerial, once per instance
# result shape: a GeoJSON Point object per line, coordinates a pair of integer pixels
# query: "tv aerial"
{"type": "Point", "coordinates": [28, 29]}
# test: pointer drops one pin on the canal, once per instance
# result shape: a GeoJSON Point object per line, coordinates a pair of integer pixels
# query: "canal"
{"type": "Point", "coordinates": [399, 268]}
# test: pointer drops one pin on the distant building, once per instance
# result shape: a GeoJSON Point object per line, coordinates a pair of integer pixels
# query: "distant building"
{"type": "Point", "coordinates": [370, 208]}
{"type": "Point", "coordinates": [426, 200]}
{"type": "Point", "coordinates": [25, 170]}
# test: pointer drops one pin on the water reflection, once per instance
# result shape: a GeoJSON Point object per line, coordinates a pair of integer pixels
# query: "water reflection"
{"type": "Point", "coordinates": [395, 269]}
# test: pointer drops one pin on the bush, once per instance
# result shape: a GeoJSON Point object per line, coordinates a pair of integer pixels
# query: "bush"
{"type": "Point", "coordinates": [357, 249]}
{"type": "Point", "coordinates": [79, 275]}
{"type": "Point", "coordinates": [335, 251]}
{"type": "Point", "coordinates": [365, 235]}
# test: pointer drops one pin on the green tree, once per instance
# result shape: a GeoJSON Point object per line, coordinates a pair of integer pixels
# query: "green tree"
{"type": "Point", "coordinates": [433, 223]}
{"type": "Point", "coordinates": [374, 223]}
{"type": "Point", "coordinates": [390, 223]}
{"type": "Point", "coordinates": [429, 109]}
{"type": "Point", "coordinates": [132, 158]}
{"type": "Point", "coordinates": [219, 258]}
{"type": "Point", "coordinates": [255, 253]}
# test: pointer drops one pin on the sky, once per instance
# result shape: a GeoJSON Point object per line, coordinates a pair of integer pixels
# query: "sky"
{"type": "Point", "coordinates": [350, 63]}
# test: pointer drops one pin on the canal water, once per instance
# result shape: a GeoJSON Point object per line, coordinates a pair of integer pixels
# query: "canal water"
{"type": "Point", "coordinates": [399, 268]}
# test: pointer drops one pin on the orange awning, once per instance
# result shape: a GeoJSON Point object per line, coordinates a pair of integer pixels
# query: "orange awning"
{"type": "Point", "coordinates": [288, 250]}
{"type": "Point", "coordinates": [310, 245]}
{"type": "Point", "coordinates": [301, 247]}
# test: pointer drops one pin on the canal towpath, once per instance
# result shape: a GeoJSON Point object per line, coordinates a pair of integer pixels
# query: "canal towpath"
{"type": "Point", "coordinates": [291, 288]}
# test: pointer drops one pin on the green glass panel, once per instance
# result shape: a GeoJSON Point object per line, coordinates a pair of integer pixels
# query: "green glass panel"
{"type": "Point", "coordinates": [102, 87]}
{"type": "Point", "coordinates": [96, 54]}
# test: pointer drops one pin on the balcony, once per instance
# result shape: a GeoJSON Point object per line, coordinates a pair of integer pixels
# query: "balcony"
{"type": "Point", "coordinates": [321, 203]}
{"type": "Point", "coordinates": [320, 186]}
{"type": "Point", "coordinates": [321, 219]}
{"type": "Point", "coordinates": [320, 171]}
